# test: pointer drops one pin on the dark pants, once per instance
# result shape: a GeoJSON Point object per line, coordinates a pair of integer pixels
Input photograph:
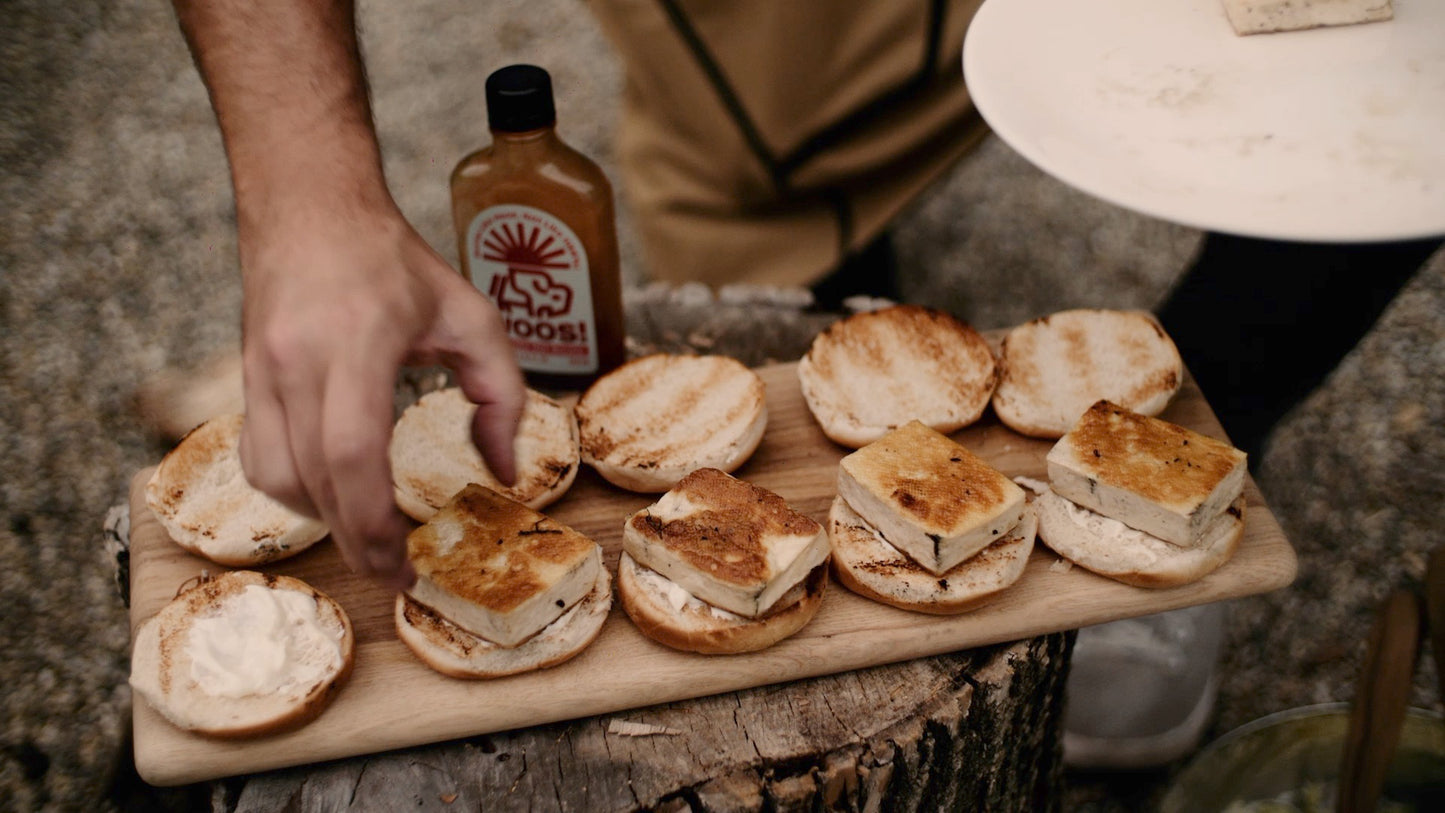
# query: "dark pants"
{"type": "Point", "coordinates": [1261, 323]}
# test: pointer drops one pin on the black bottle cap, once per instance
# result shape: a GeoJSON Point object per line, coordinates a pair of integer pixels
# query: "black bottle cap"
{"type": "Point", "coordinates": [519, 98]}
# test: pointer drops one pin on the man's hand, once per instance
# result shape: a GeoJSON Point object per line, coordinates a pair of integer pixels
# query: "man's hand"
{"type": "Point", "coordinates": [333, 307]}
{"type": "Point", "coordinates": [339, 290]}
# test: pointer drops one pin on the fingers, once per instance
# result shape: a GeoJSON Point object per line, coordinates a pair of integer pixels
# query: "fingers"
{"type": "Point", "coordinates": [354, 434]}
{"type": "Point", "coordinates": [328, 329]}
{"type": "Point", "coordinates": [265, 446]}
{"type": "Point", "coordinates": [475, 345]}
{"type": "Point", "coordinates": [316, 435]}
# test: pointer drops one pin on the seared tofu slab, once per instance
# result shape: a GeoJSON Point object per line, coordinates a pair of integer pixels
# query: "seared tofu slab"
{"type": "Point", "coordinates": [726, 541]}
{"type": "Point", "coordinates": [498, 569]}
{"type": "Point", "coordinates": [1149, 474]}
{"type": "Point", "coordinates": [929, 496]}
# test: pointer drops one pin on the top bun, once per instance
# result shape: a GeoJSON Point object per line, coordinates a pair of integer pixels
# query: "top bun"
{"type": "Point", "coordinates": [875, 371]}
{"type": "Point", "coordinates": [647, 424]}
{"type": "Point", "coordinates": [433, 457]}
{"type": "Point", "coordinates": [1054, 368]}
{"type": "Point", "coordinates": [201, 496]}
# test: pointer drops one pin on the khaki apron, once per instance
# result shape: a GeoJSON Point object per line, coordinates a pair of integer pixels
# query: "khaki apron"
{"type": "Point", "coordinates": [763, 140]}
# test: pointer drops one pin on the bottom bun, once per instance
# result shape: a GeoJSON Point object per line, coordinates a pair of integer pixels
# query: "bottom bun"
{"type": "Point", "coordinates": [666, 613]}
{"type": "Point", "coordinates": [453, 651]}
{"type": "Point", "coordinates": [865, 563]}
{"type": "Point", "coordinates": [162, 665]}
{"type": "Point", "coordinates": [1110, 548]}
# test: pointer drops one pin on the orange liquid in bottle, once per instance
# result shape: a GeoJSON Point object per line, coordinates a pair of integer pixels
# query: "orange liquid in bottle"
{"type": "Point", "coordinates": [537, 234]}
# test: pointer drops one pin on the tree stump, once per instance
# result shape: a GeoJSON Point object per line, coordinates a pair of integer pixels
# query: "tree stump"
{"type": "Point", "coordinates": [974, 730]}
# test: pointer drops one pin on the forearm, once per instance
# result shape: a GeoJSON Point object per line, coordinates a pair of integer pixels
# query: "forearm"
{"type": "Point", "coordinates": [289, 91]}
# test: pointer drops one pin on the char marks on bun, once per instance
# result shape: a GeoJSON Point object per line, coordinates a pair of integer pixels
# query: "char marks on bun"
{"type": "Point", "coordinates": [200, 495]}
{"type": "Point", "coordinates": [1053, 368]}
{"type": "Point", "coordinates": [866, 564]}
{"type": "Point", "coordinates": [874, 371]}
{"type": "Point", "coordinates": [648, 423]}
{"type": "Point", "coordinates": [433, 456]}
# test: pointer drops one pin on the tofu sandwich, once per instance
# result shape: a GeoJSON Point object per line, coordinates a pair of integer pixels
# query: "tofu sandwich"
{"type": "Point", "coordinates": [1142, 500]}
{"type": "Point", "coordinates": [923, 524]}
{"type": "Point", "coordinates": [500, 588]}
{"type": "Point", "coordinates": [718, 565]}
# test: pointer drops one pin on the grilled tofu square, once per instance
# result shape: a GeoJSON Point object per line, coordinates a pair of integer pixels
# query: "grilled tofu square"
{"type": "Point", "coordinates": [499, 569]}
{"type": "Point", "coordinates": [929, 496]}
{"type": "Point", "coordinates": [728, 542]}
{"type": "Point", "coordinates": [1150, 474]}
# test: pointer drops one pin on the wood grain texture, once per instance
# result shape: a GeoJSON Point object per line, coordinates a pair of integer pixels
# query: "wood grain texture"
{"type": "Point", "coordinates": [973, 730]}
{"type": "Point", "coordinates": [393, 701]}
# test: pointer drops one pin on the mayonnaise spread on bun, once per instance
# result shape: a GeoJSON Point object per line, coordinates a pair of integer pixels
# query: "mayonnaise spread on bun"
{"type": "Point", "coordinates": [261, 641]}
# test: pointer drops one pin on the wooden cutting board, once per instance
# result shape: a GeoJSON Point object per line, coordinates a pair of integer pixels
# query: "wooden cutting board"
{"type": "Point", "coordinates": [393, 701]}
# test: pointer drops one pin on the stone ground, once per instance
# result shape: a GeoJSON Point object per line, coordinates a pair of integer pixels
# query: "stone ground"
{"type": "Point", "coordinates": [117, 261]}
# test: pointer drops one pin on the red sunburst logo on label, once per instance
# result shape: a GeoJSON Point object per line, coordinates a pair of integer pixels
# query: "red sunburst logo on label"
{"type": "Point", "coordinates": [523, 246]}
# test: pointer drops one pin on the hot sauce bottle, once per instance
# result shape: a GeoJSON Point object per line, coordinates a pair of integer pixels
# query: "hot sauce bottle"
{"type": "Point", "coordinates": [537, 234]}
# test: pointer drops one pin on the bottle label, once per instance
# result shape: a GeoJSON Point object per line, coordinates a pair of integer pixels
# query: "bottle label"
{"type": "Point", "coordinates": [534, 268]}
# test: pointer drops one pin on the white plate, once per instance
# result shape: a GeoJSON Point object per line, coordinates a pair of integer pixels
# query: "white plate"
{"type": "Point", "coordinates": [1329, 134]}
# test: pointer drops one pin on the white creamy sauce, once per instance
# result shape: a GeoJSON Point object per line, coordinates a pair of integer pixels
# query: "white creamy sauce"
{"type": "Point", "coordinates": [1038, 487]}
{"type": "Point", "coordinates": [678, 597]}
{"type": "Point", "coordinates": [261, 641]}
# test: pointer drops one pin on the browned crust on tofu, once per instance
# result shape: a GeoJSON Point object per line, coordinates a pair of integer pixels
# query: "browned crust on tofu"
{"type": "Point", "coordinates": [493, 566]}
{"type": "Point", "coordinates": [1158, 460]}
{"type": "Point", "coordinates": [929, 477]}
{"type": "Point", "coordinates": [725, 538]}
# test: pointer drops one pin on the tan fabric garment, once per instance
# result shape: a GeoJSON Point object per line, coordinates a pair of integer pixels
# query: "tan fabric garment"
{"type": "Point", "coordinates": [763, 139]}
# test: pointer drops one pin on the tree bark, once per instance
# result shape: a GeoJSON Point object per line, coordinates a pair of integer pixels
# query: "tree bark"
{"type": "Point", "coordinates": [973, 730]}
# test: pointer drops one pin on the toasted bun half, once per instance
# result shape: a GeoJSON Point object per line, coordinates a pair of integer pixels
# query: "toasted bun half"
{"type": "Point", "coordinates": [201, 496]}
{"type": "Point", "coordinates": [433, 457]}
{"type": "Point", "coordinates": [667, 614]}
{"type": "Point", "coordinates": [164, 658]}
{"type": "Point", "coordinates": [453, 651]}
{"type": "Point", "coordinates": [1111, 548]}
{"type": "Point", "coordinates": [1051, 370]}
{"type": "Point", "coordinates": [647, 424]}
{"type": "Point", "coordinates": [865, 563]}
{"type": "Point", "coordinates": [875, 371]}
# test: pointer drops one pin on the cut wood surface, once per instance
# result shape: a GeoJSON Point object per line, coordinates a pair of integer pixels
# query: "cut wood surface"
{"type": "Point", "coordinates": [393, 701]}
{"type": "Point", "coordinates": [974, 730]}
